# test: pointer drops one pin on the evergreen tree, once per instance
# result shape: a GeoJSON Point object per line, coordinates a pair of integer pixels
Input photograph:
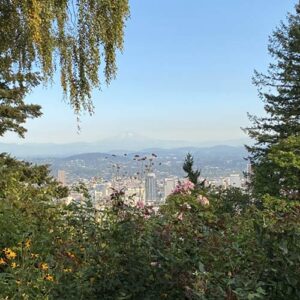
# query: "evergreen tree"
{"type": "Point", "coordinates": [192, 175]}
{"type": "Point", "coordinates": [280, 91]}
{"type": "Point", "coordinates": [13, 110]}
{"type": "Point", "coordinates": [285, 158]}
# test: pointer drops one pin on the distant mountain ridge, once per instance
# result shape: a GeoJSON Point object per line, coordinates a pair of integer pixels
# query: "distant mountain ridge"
{"type": "Point", "coordinates": [213, 161]}
{"type": "Point", "coordinates": [126, 142]}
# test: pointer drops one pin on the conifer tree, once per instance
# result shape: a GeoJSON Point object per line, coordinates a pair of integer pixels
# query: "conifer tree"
{"type": "Point", "coordinates": [279, 88]}
{"type": "Point", "coordinates": [192, 175]}
{"type": "Point", "coordinates": [13, 110]}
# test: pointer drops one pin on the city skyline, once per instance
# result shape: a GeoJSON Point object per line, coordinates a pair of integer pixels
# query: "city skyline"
{"type": "Point", "coordinates": [187, 80]}
{"type": "Point", "coordinates": [149, 190]}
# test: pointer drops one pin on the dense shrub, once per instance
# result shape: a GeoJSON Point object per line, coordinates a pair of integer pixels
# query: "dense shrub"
{"type": "Point", "coordinates": [220, 245]}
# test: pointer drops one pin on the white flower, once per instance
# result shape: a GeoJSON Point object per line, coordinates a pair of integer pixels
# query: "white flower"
{"type": "Point", "coordinates": [203, 200]}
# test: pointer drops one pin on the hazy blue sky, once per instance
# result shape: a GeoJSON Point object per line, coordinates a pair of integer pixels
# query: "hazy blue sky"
{"type": "Point", "coordinates": [185, 74]}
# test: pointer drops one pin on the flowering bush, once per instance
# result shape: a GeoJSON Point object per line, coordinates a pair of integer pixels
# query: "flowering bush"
{"type": "Point", "coordinates": [203, 200]}
{"type": "Point", "coordinates": [185, 187]}
{"type": "Point", "coordinates": [218, 245]}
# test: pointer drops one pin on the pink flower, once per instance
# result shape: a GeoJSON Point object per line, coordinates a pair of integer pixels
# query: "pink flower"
{"type": "Point", "coordinates": [148, 212]}
{"type": "Point", "coordinates": [188, 186]}
{"type": "Point", "coordinates": [184, 187]}
{"type": "Point", "coordinates": [140, 204]}
{"type": "Point", "coordinates": [203, 200]}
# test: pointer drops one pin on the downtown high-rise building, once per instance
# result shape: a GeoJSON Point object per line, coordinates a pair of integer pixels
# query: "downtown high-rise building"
{"type": "Point", "coordinates": [169, 186]}
{"type": "Point", "coordinates": [61, 177]}
{"type": "Point", "coordinates": [150, 188]}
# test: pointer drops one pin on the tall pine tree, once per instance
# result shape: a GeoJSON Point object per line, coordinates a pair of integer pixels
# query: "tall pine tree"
{"type": "Point", "coordinates": [13, 110]}
{"type": "Point", "coordinates": [192, 175]}
{"type": "Point", "coordinates": [278, 132]}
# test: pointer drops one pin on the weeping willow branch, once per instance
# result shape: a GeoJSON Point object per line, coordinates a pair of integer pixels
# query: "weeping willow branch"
{"type": "Point", "coordinates": [80, 38]}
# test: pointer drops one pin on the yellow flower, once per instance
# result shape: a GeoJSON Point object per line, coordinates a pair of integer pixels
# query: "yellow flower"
{"type": "Point", "coordinates": [2, 261]}
{"type": "Point", "coordinates": [9, 253]}
{"type": "Point", "coordinates": [67, 270]}
{"type": "Point", "coordinates": [48, 277]}
{"type": "Point", "coordinates": [34, 255]}
{"type": "Point", "coordinates": [44, 266]}
{"type": "Point", "coordinates": [13, 265]}
{"type": "Point", "coordinates": [18, 281]}
{"type": "Point", "coordinates": [27, 244]}
{"type": "Point", "coordinates": [71, 255]}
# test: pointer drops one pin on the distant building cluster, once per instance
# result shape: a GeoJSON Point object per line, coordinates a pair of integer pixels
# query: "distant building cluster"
{"type": "Point", "coordinates": [149, 190]}
{"type": "Point", "coordinates": [233, 180]}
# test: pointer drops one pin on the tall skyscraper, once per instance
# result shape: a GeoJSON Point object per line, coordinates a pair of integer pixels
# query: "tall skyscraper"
{"type": "Point", "coordinates": [61, 177]}
{"type": "Point", "coordinates": [150, 187]}
{"type": "Point", "coordinates": [169, 186]}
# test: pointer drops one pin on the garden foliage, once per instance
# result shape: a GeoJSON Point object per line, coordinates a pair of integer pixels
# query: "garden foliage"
{"type": "Point", "coordinates": [219, 245]}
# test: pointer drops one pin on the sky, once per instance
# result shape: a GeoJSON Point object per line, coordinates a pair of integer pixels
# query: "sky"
{"type": "Point", "coordinates": [185, 74]}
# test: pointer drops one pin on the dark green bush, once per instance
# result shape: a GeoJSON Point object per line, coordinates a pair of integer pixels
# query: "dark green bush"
{"type": "Point", "coordinates": [220, 247]}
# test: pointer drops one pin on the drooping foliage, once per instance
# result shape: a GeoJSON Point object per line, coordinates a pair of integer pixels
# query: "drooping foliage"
{"type": "Point", "coordinates": [280, 91]}
{"type": "Point", "coordinates": [74, 36]}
